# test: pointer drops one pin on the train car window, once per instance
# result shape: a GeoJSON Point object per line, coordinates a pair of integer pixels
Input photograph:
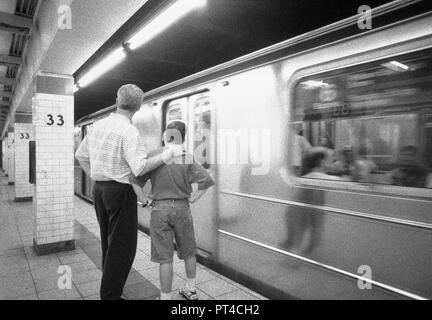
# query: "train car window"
{"type": "Point", "coordinates": [196, 112]}
{"type": "Point", "coordinates": [87, 183]}
{"type": "Point", "coordinates": [175, 113]}
{"type": "Point", "coordinates": [77, 142]}
{"type": "Point", "coordinates": [87, 129]}
{"type": "Point", "coordinates": [202, 113]}
{"type": "Point", "coordinates": [366, 124]}
{"type": "Point", "coordinates": [176, 110]}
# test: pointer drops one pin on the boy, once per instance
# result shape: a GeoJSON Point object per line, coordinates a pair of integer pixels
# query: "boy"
{"type": "Point", "coordinates": [171, 216]}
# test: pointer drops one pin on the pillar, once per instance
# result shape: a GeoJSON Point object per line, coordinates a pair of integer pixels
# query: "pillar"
{"type": "Point", "coordinates": [53, 202]}
{"type": "Point", "coordinates": [23, 136]}
{"type": "Point", "coordinates": [10, 156]}
{"type": "Point", "coordinates": [4, 155]}
{"type": "Point", "coordinates": [1, 154]}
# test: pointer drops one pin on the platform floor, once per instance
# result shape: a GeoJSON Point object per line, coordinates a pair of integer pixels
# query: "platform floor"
{"type": "Point", "coordinates": [26, 276]}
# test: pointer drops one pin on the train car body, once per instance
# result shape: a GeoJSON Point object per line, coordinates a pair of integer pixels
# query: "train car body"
{"type": "Point", "coordinates": [285, 235]}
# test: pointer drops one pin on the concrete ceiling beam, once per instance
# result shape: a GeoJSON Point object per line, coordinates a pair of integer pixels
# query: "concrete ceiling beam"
{"type": "Point", "coordinates": [7, 59]}
{"type": "Point", "coordinates": [14, 22]}
{"type": "Point", "coordinates": [7, 81]}
{"type": "Point", "coordinates": [5, 94]}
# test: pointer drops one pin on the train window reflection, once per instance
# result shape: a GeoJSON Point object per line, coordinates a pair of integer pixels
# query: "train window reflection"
{"type": "Point", "coordinates": [175, 112]}
{"type": "Point", "coordinates": [367, 124]}
{"type": "Point", "coordinates": [202, 125]}
{"type": "Point", "coordinates": [77, 141]}
{"type": "Point", "coordinates": [87, 129]}
{"type": "Point", "coordinates": [88, 184]}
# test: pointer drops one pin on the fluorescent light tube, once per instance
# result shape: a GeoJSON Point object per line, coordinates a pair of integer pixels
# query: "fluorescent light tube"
{"type": "Point", "coordinates": [102, 67]}
{"type": "Point", "coordinates": [396, 66]}
{"type": "Point", "coordinates": [400, 65]}
{"type": "Point", "coordinates": [315, 84]}
{"type": "Point", "coordinates": [175, 12]}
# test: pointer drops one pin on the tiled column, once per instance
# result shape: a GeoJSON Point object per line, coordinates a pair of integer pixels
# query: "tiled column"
{"type": "Point", "coordinates": [23, 136]}
{"type": "Point", "coordinates": [4, 153]}
{"type": "Point", "coordinates": [53, 203]}
{"type": "Point", "coordinates": [7, 155]}
{"type": "Point", "coordinates": [11, 160]}
{"type": "Point", "coordinates": [1, 154]}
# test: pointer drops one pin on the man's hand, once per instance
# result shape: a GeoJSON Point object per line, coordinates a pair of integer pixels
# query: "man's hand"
{"type": "Point", "coordinates": [166, 157]}
{"type": "Point", "coordinates": [149, 203]}
{"type": "Point", "coordinates": [172, 151]}
{"type": "Point", "coordinates": [143, 200]}
{"type": "Point", "coordinates": [176, 149]}
{"type": "Point", "coordinates": [141, 196]}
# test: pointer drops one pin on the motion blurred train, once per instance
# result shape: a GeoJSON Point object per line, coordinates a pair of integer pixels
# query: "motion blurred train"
{"type": "Point", "coordinates": [291, 237]}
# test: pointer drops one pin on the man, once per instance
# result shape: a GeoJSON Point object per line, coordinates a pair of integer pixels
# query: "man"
{"type": "Point", "coordinates": [110, 154]}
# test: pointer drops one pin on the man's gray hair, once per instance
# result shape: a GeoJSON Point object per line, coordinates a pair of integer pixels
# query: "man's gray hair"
{"type": "Point", "coordinates": [130, 97]}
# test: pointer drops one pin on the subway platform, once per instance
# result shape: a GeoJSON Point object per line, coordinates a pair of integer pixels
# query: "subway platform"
{"type": "Point", "coordinates": [26, 276]}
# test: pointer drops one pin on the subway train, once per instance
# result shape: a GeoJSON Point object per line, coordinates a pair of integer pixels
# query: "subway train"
{"type": "Point", "coordinates": [363, 96]}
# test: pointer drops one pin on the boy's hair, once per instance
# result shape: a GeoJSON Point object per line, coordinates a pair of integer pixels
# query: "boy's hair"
{"type": "Point", "coordinates": [175, 130]}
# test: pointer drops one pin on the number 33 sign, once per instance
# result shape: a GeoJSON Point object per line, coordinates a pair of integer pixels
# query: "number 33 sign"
{"type": "Point", "coordinates": [57, 120]}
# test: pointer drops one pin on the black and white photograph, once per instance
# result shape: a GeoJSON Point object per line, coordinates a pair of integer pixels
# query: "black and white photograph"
{"type": "Point", "coordinates": [232, 153]}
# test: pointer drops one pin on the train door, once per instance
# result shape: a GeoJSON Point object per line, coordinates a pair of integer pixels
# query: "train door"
{"type": "Point", "coordinates": [77, 168]}
{"type": "Point", "coordinates": [87, 186]}
{"type": "Point", "coordinates": [197, 112]}
{"type": "Point", "coordinates": [201, 135]}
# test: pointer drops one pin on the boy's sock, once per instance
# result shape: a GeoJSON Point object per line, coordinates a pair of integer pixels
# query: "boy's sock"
{"type": "Point", "coordinates": [165, 296]}
{"type": "Point", "coordinates": [190, 284]}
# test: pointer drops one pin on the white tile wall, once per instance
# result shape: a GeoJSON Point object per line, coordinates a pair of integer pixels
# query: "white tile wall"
{"type": "Point", "coordinates": [23, 136]}
{"type": "Point", "coordinates": [53, 202]}
{"type": "Point", "coordinates": [11, 160]}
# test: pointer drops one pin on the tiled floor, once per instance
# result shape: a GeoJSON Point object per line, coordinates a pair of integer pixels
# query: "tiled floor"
{"type": "Point", "coordinates": [26, 276]}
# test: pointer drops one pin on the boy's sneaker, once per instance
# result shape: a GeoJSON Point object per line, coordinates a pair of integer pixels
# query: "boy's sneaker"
{"type": "Point", "coordinates": [188, 294]}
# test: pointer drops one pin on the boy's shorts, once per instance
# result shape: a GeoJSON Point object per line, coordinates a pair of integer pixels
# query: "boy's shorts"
{"type": "Point", "coordinates": [171, 219]}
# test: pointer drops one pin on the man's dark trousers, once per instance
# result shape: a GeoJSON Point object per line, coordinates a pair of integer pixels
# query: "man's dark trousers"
{"type": "Point", "coordinates": [116, 210]}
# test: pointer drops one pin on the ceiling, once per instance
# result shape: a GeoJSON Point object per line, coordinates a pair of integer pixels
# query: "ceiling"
{"type": "Point", "coordinates": [219, 32]}
{"type": "Point", "coordinates": [223, 30]}
{"type": "Point", "coordinates": [93, 23]}
{"type": "Point", "coordinates": [16, 23]}
{"type": "Point", "coordinates": [23, 23]}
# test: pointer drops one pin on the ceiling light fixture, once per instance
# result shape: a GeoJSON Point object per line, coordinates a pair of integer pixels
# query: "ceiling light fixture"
{"type": "Point", "coordinates": [102, 67]}
{"type": "Point", "coordinates": [314, 84]}
{"type": "Point", "coordinates": [396, 66]}
{"type": "Point", "coordinates": [400, 65]}
{"type": "Point", "coordinates": [175, 12]}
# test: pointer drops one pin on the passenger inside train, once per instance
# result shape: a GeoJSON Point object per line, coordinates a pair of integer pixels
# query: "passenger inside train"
{"type": "Point", "coordinates": [372, 119]}
{"type": "Point", "coordinates": [316, 164]}
{"type": "Point", "coordinates": [320, 163]}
